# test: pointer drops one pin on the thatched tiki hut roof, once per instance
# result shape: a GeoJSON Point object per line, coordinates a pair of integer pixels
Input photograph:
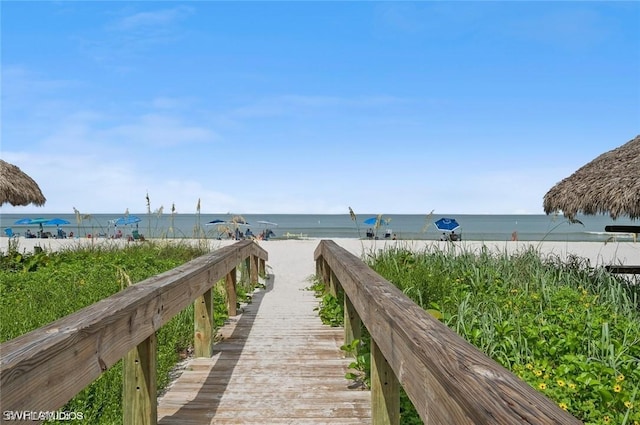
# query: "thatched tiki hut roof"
{"type": "Point", "coordinates": [608, 184]}
{"type": "Point", "coordinates": [17, 188]}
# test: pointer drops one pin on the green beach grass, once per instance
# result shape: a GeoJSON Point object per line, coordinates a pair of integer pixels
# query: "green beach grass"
{"type": "Point", "coordinates": [570, 331]}
{"type": "Point", "coordinates": [40, 288]}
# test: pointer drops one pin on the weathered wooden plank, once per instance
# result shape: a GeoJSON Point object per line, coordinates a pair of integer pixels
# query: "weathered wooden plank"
{"type": "Point", "coordinates": [385, 390]}
{"type": "Point", "coordinates": [334, 285]}
{"type": "Point", "coordinates": [254, 270]}
{"type": "Point", "coordinates": [273, 420]}
{"type": "Point", "coordinates": [45, 368]}
{"type": "Point", "coordinates": [248, 396]}
{"type": "Point", "coordinates": [204, 324]}
{"type": "Point", "coordinates": [352, 323]}
{"type": "Point", "coordinates": [139, 384]}
{"type": "Point", "coordinates": [279, 410]}
{"type": "Point", "coordinates": [245, 267]}
{"type": "Point", "coordinates": [447, 379]}
{"type": "Point", "coordinates": [232, 298]}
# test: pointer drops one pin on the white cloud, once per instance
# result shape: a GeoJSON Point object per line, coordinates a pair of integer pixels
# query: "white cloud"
{"type": "Point", "coordinates": [151, 19]}
{"type": "Point", "coordinates": [287, 105]}
{"type": "Point", "coordinates": [160, 130]}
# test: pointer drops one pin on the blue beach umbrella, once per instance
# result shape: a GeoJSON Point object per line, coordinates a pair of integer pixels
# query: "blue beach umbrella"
{"type": "Point", "coordinates": [40, 221]}
{"type": "Point", "coordinates": [221, 228]}
{"type": "Point", "coordinates": [376, 222]}
{"type": "Point", "coordinates": [123, 221]}
{"type": "Point", "coordinates": [23, 221]}
{"type": "Point", "coordinates": [28, 221]}
{"type": "Point", "coordinates": [56, 222]}
{"type": "Point", "coordinates": [371, 221]}
{"type": "Point", "coordinates": [447, 224]}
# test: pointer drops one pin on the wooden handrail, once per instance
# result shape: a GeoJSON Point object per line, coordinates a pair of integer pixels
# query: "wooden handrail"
{"type": "Point", "coordinates": [43, 369]}
{"type": "Point", "coordinates": [448, 380]}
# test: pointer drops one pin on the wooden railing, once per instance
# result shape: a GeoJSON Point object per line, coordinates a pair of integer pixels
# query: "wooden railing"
{"type": "Point", "coordinates": [43, 369]}
{"type": "Point", "coordinates": [448, 380]}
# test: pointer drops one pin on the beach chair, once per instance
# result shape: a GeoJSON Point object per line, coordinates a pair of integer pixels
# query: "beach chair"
{"type": "Point", "coordinates": [137, 236]}
{"type": "Point", "coordinates": [9, 232]}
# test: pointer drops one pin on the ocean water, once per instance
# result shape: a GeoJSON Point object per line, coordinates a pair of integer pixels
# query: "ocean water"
{"type": "Point", "coordinates": [405, 226]}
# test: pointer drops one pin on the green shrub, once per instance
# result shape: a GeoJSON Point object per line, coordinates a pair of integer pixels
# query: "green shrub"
{"type": "Point", "coordinates": [569, 330]}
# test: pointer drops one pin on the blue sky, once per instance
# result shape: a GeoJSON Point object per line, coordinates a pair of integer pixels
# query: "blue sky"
{"type": "Point", "coordinates": [312, 107]}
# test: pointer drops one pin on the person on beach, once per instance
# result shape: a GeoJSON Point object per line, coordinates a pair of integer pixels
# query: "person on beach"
{"type": "Point", "coordinates": [514, 236]}
{"type": "Point", "coordinates": [444, 237]}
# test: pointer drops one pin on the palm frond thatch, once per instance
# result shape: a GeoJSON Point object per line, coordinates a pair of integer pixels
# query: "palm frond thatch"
{"type": "Point", "coordinates": [17, 188]}
{"type": "Point", "coordinates": [608, 184]}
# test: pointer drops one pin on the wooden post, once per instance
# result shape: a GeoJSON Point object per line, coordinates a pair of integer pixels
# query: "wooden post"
{"type": "Point", "coordinates": [352, 322]}
{"type": "Point", "coordinates": [244, 272]}
{"type": "Point", "coordinates": [232, 298]}
{"type": "Point", "coordinates": [203, 322]}
{"type": "Point", "coordinates": [333, 283]}
{"type": "Point", "coordinates": [385, 390]}
{"type": "Point", "coordinates": [319, 267]}
{"type": "Point", "coordinates": [262, 268]}
{"type": "Point", "coordinates": [139, 385]}
{"type": "Point", "coordinates": [325, 274]}
{"type": "Point", "coordinates": [254, 270]}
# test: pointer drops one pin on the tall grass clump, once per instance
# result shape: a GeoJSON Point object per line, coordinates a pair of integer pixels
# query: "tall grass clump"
{"type": "Point", "coordinates": [571, 331]}
{"type": "Point", "coordinates": [40, 288]}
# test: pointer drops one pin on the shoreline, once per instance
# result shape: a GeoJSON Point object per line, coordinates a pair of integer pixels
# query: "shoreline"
{"type": "Point", "coordinates": [473, 227]}
{"type": "Point", "coordinates": [597, 253]}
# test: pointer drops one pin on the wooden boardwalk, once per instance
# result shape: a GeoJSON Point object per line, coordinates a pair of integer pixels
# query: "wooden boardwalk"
{"type": "Point", "coordinates": [277, 363]}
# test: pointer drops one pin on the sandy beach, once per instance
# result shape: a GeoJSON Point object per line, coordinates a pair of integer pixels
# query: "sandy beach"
{"type": "Point", "coordinates": [598, 253]}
